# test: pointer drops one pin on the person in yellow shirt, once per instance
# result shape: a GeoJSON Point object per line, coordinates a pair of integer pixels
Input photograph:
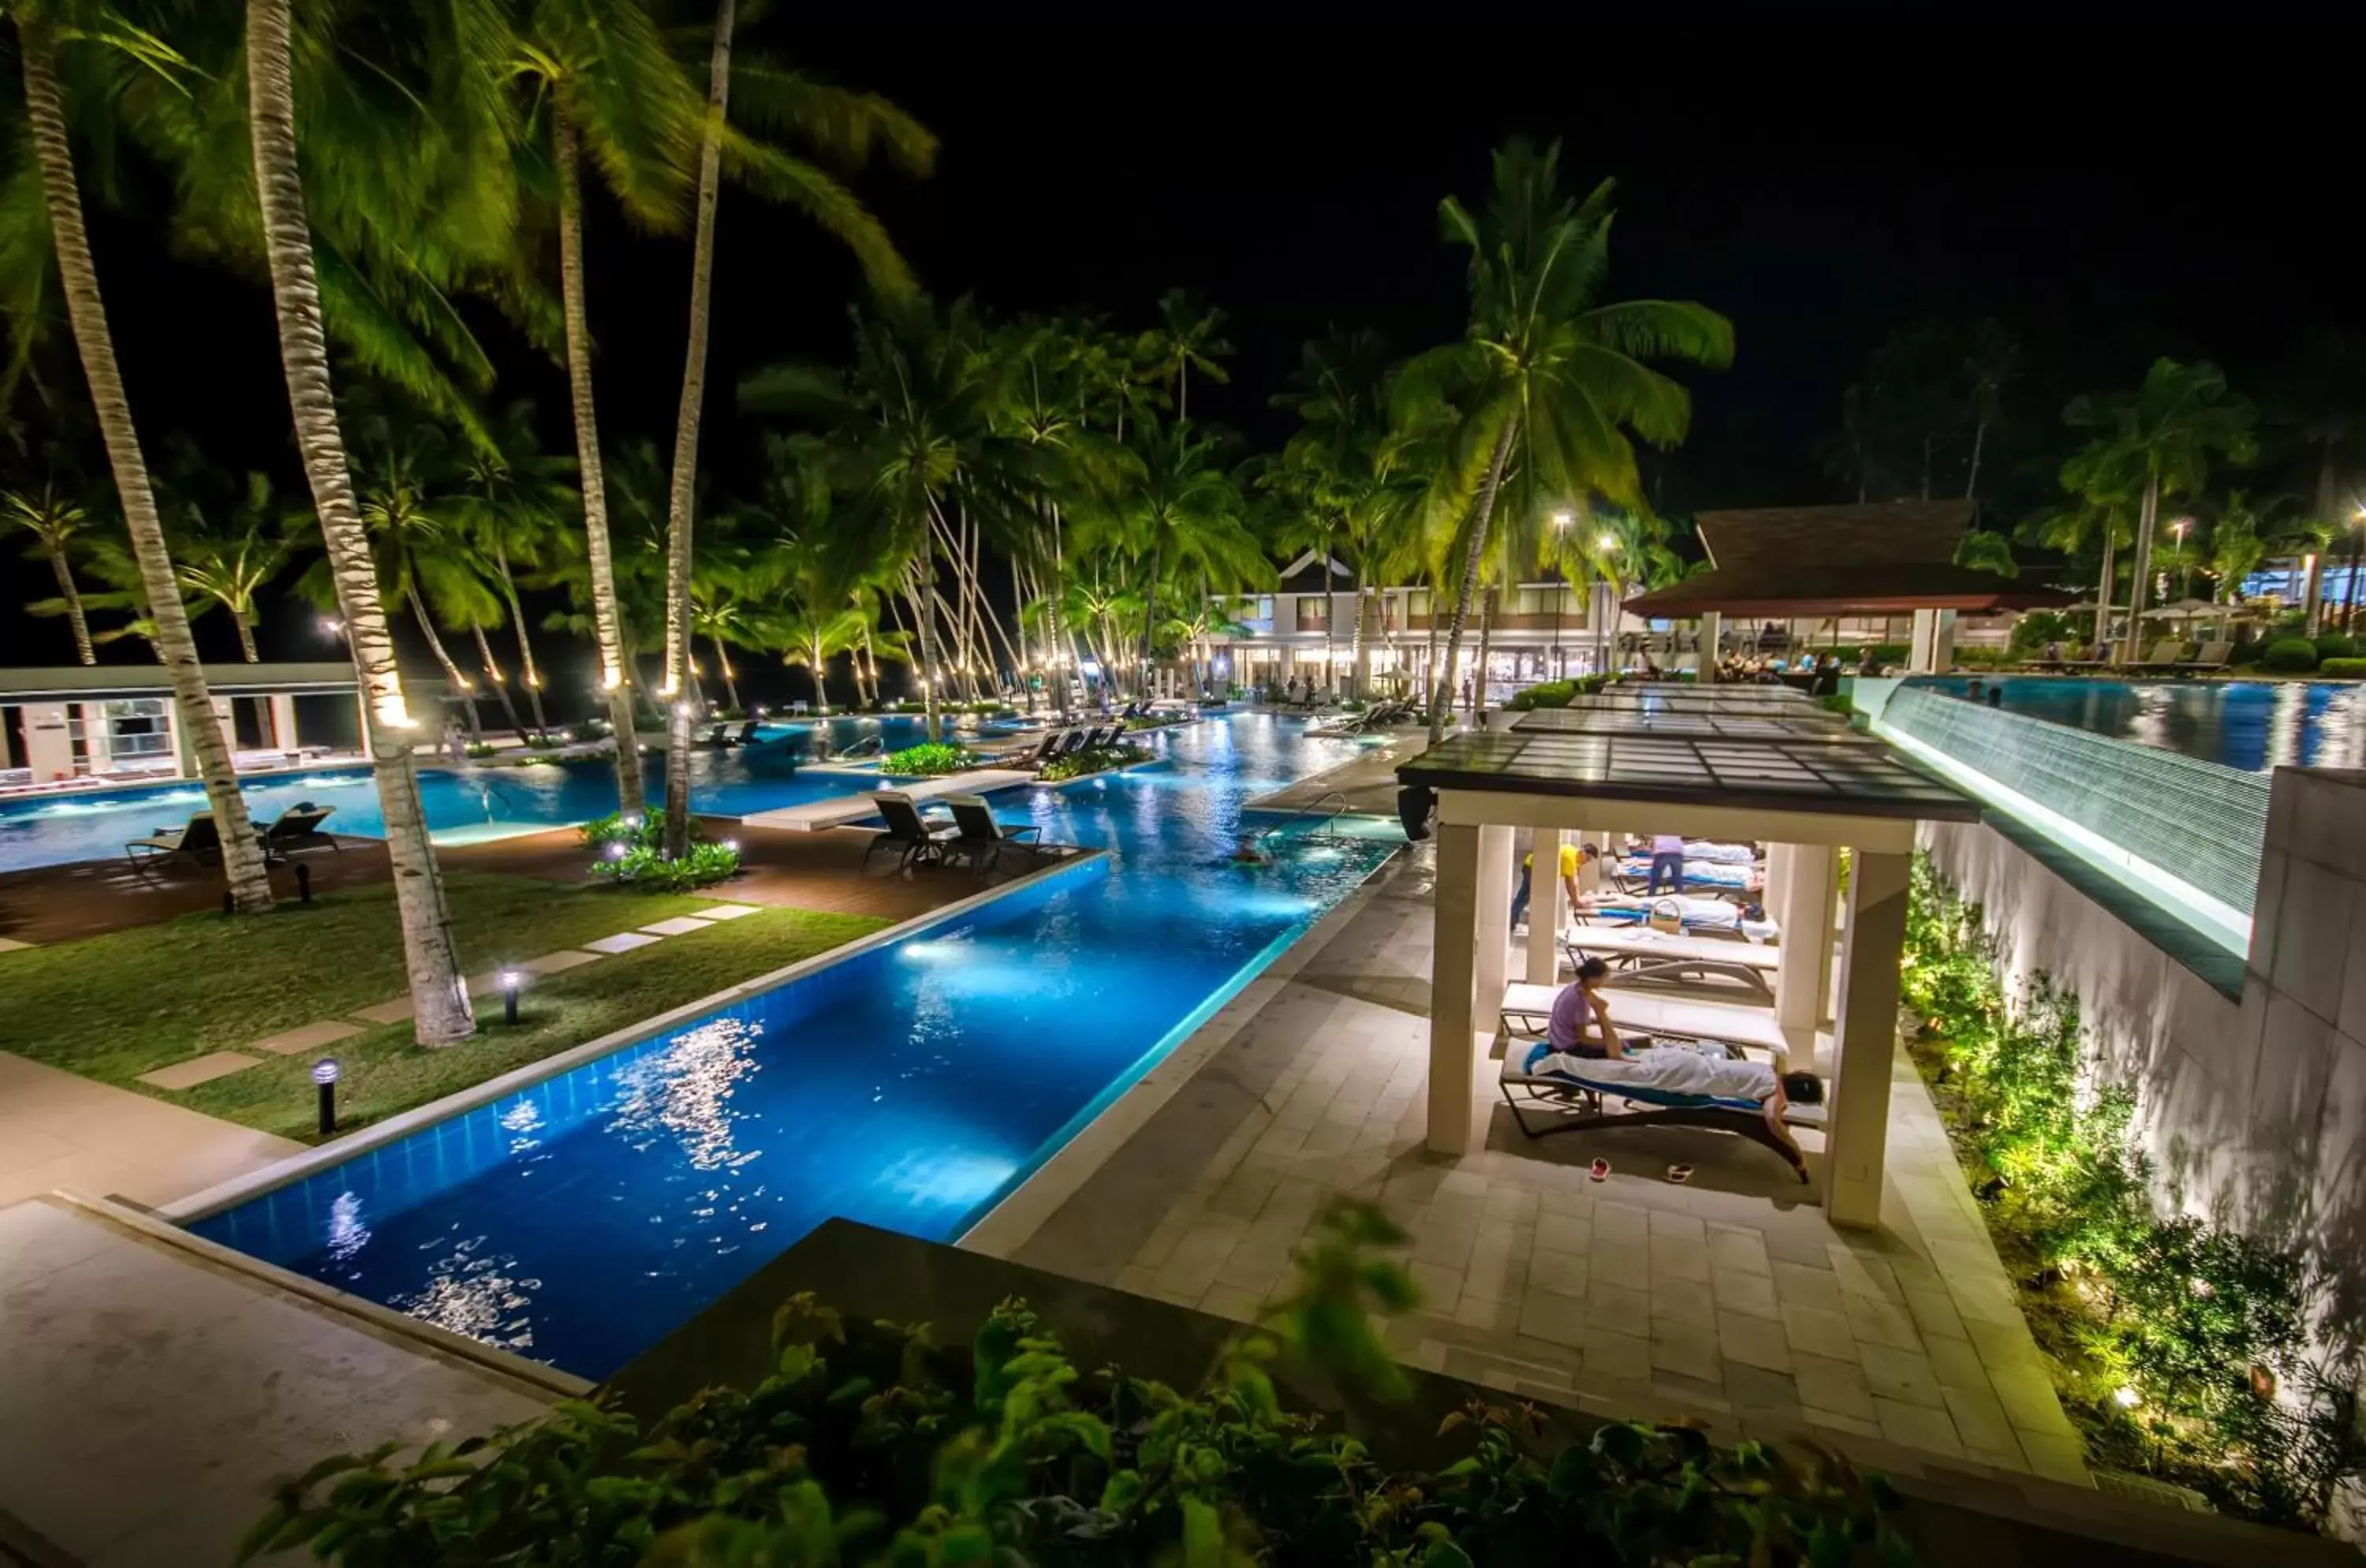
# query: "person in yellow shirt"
{"type": "Point", "coordinates": [1580, 877]}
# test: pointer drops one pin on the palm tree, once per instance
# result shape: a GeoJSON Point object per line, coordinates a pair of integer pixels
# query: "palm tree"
{"type": "Point", "coordinates": [231, 568]}
{"type": "Point", "coordinates": [1991, 360]}
{"type": "Point", "coordinates": [439, 995]}
{"type": "Point", "coordinates": [516, 496]}
{"type": "Point", "coordinates": [54, 520]}
{"type": "Point", "coordinates": [1185, 517]}
{"type": "Point", "coordinates": [1545, 369]}
{"type": "Point", "coordinates": [2092, 516]}
{"type": "Point", "coordinates": [1186, 337]}
{"type": "Point", "coordinates": [2157, 441]}
{"type": "Point", "coordinates": [243, 863]}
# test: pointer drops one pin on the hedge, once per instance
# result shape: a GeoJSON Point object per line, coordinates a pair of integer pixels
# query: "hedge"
{"type": "Point", "coordinates": [2290, 656]}
{"type": "Point", "coordinates": [2343, 669]}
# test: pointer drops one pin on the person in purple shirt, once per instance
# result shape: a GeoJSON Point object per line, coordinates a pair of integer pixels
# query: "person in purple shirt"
{"type": "Point", "coordinates": [1580, 1022]}
{"type": "Point", "coordinates": [1667, 859]}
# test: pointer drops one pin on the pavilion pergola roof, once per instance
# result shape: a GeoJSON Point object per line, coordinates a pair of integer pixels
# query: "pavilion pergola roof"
{"type": "Point", "coordinates": [1765, 724]}
{"type": "Point", "coordinates": [1792, 562]}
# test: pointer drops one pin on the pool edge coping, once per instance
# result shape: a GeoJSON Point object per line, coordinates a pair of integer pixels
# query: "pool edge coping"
{"type": "Point", "coordinates": [222, 1195]}
{"type": "Point", "coordinates": [1023, 1211]}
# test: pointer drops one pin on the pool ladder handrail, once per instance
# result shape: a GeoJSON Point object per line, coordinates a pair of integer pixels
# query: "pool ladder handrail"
{"type": "Point", "coordinates": [1330, 819]}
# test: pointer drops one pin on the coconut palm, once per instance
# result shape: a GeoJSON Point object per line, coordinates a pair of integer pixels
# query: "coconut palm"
{"type": "Point", "coordinates": [2158, 443]}
{"type": "Point", "coordinates": [1185, 518]}
{"type": "Point", "coordinates": [242, 863]}
{"type": "Point", "coordinates": [230, 567]}
{"type": "Point", "coordinates": [1545, 372]}
{"type": "Point", "coordinates": [55, 520]}
{"type": "Point", "coordinates": [439, 994]}
{"type": "Point", "coordinates": [1186, 338]}
{"type": "Point", "coordinates": [2092, 516]}
{"type": "Point", "coordinates": [514, 498]}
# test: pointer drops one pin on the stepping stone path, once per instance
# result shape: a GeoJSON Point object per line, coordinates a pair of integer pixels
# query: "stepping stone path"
{"type": "Point", "coordinates": [199, 1069]}
{"type": "Point", "coordinates": [313, 1037]}
{"type": "Point", "coordinates": [10, 944]}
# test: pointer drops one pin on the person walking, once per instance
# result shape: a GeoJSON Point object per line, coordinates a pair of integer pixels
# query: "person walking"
{"type": "Point", "coordinates": [1667, 863]}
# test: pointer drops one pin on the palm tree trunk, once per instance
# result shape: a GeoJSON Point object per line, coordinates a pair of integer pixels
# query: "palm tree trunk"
{"type": "Point", "coordinates": [1363, 636]}
{"type": "Point", "coordinates": [927, 625]}
{"type": "Point", "coordinates": [1441, 698]}
{"type": "Point", "coordinates": [2104, 595]}
{"type": "Point", "coordinates": [243, 865]}
{"type": "Point", "coordinates": [439, 995]}
{"type": "Point", "coordinates": [1972, 477]}
{"type": "Point", "coordinates": [1150, 617]}
{"type": "Point", "coordinates": [462, 688]}
{"type": "Point", "coordinates": [685, 445]}
{"type": "Point", "coordinates": [525, 645]}
{"type": "Point", "coordinates": [501, 687]}
{"type": "Point", "coordinates": [723, 668]}
{"type": "Point", "coordinates": [245, 638]}
{"type": "Point", "coordinates": [72, 593]}
{"type": "Point", "coordinates": [1488, 602]}
{"type": "Point", "coordinates": [607, 620]}
{"type": "Point", "coordinates": [2142, 562]}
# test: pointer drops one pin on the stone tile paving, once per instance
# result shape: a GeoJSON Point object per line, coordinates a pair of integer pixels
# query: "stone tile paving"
{"type": "Point", "coordinates": [1729, 1299]}
{"type": "Point", "coordinates": [556, 963]}
{"type": "Point", "coordinates": [680, 925]}
{"type": "Point", "coordinates": [622, 941]}
{"type": "Point", "coordinates": [309, 1037]}
{"type": "Point", "coordinates": [58, 1129]}
{"type": "Point", "coordinates": [199, 1069]}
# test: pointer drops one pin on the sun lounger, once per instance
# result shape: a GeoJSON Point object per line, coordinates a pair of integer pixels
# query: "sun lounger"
{"type": "Point", "coordinates": [920, 843]}
{"type": "Point", "coordinates": [1528, 1008]}
{"type": "Point", "coordinates": [193, 842]}
{"type": "Point", "coordinates": [977, 836]}
{"type": "Point", "coordinates": [2212, 656]}
{"type": "Point", "coordinates": [1576, 1103]}
{"type": "Point", "coordinates": [1715, 874]}
{"type": "Point", "coordinates": [1638, 956]}
{"type": "Point", "coordinates": [298, 829]}
{"type": "Point", "coordinates": [2166, 654]}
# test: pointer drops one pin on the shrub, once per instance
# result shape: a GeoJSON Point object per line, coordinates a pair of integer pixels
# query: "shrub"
{"type": "Point", "coordinates": [633, 851]}
{"type": "Point", "coordinates": [2198, 1324]}
{"type": "Point", "coordinates": [1554, 694]}
{"type": "Point", "coordinates": [1099, 759]}
{"type": "Point", "coordinates": [2343, 669]}
{"type": "Point", "coordinates": [928, 760]}
{"type": "Point", "coordinates": [481, 749]}
{"type": "Point", "coordinates": [2290, 655]}
{"type": "Point", "coordinates": [589, 729]}
{"type": "Point", "coordinates": [2335, 644]}
{"type": "Point", "coordinates": [870, 1442]}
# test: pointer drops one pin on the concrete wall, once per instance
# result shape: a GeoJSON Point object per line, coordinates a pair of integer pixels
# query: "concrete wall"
{"type": "Point", "coordinates": [2254, 1109]}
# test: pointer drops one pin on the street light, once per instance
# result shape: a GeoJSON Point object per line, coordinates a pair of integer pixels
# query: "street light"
{"type": "Point", "coordinates": [1608, 544]}
{"type": "Point", "coordinates": [1561, 522]}
{"type": "Point", "coordinates": [2184, 567]}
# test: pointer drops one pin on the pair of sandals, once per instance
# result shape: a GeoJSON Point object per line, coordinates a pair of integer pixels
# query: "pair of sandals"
{"type": "Point", "coordinates": [1678, 1173]}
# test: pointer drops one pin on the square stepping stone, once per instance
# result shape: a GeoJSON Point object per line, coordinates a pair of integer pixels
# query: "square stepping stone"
{"type": "Point", "coordinates": [312, 1037]}
{"type": "Point", "coordinates": [622, 941]}
{"type": "Point", "coordinates": [681, 925]}
{"type": "Point", "coordinates": [200, 1069]}
{"type": "Point", "coordinates": [726, 911]}
{"type": "Point", "coordinates": [399, 1010]}
{"type": "Point", "coordinates": [555, 963]}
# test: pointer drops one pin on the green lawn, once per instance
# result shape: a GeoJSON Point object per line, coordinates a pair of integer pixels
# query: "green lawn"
{"type": "Point", "coordinates": [114, 1007]}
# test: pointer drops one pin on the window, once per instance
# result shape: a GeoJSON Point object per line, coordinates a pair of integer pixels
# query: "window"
{"type": "Point", "coordinates": [1313, 613]}
{"type": "Point", "coordinates": [136, 729]}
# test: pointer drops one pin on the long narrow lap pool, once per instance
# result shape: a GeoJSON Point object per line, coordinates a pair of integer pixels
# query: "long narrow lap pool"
{"type": "Point", "coordinates": [910, 1087]}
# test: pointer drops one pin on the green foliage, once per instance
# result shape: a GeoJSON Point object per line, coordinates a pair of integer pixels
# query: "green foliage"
{"type": "Point", "coordinates": [1096, 760]}
{"type": "Point", "coordinates": [2038, 627]}
{"type": "Point", "coordinates": [2200, 1326]}
{"type": "Point", "coordinates": [1554, 694]}
{"type": "Point", "coordinates": [872, 1442]}
{"type": "Point", "coordinates": [2290, 656]}
{"type": "Point", "coordinates": [928, 760]}
{"type": "Point", "coordinates": [2343, 669]}
{"type": "Point", "coordinates": [480, 750]}
{"type": "Point", "coordinates": [2335, 644]}
{"type": "Point", "coordinates": [633, 851]}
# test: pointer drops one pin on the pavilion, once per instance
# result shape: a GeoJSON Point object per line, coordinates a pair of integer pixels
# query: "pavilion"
{"type": "Point", "coordinates": [1752, 763]}
{"type": "Point", "coordinates": [95, 724]}
{"type": "Point", "coordinates": [1790, 563]}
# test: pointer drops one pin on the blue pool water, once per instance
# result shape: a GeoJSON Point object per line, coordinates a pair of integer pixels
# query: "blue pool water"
{"type": "Point", "coordinates": [910, 1087]}
{"type": "Point", "coordinates": [733, 782]}
{"type": "Point", "coordinates": [2251, 724]}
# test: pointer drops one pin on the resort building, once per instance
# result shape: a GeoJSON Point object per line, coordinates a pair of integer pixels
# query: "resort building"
{"type": "Point", "coordinates": [107, 723]}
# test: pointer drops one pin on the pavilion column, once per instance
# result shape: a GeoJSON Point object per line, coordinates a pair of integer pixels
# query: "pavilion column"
{"type": "Point", "coordinates": [1545, 908]}
{"type": "Point", "coordinates": [1804, 913]}
{"type": "Point", "coordinates": [1493, 965]}
{"type": "Point", "coordinates": [283, 721]}
{"type": "Point", "coordinates": [1932, 650]}
{"type": "Point", "coordinates": [1453, 1048]}
{"type": "Point", "coordinates": [1712, 631]}
{"type": "Point", "coordinates": [1858, 1123]}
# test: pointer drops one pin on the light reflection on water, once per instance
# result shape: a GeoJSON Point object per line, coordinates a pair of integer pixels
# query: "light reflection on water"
{"type": "Point", "coordinates": [2251, 724]}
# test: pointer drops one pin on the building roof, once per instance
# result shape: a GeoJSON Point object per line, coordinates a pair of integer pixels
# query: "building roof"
{"type": "Point", "coordinates": [1794, 561]}
{"type": "Point", "coordinates": [1304, 575]}
{"type": "Point", "coordinates": [1834, 776]}
{"type": "Point", "coordinates": [1693, 724]}
{"type": "Point", "coordinates": [82, 682]}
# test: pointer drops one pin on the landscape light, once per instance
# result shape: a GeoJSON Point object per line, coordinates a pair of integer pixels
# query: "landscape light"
{"type": "Point", "coordinates": [2126, 1398]}
{"type": "Point", "coordinates": [324, 1076]}
{"type": "Point", "coordinates": [731, 845]}
{"type": "Point", "coordinates": [616, 852]}
{"type": "Point", "coordinates": [684, 709]}
{"type": "Point", "coordinates": [332, 626]}
{"type": "Point", "coordinates": [511, 980]}
{"type": "Point", "coordinates": [1563, 519]}
{"type": "Point", "coordinates": [1606, 541]}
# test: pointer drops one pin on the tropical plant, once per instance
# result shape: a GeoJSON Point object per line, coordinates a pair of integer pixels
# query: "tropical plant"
{"type": "Point", "coordinates": [1185, 340]}
{"type": "Point", "coordinates": [201, 731]}
{"type": "Point", "coordinates": [439, 992]}
{"type": "Point", "coordinates": [928, 760]}
{"type": "Point", "coordinates": [631, 851]}
{"type": "Point", "coordinates": [2087, 519]}
{"type": "Point", "coordinates": [1984, 549]}
{"type": "Point", "coordinates": [1182, 516]}
{"type": "Point", "coordinates": [1094, 760]}
{"type": "Point", "coordinates": [2158, 443]}
{"type": "Point", "coordinates": [512, 499]}
{"type": "Point", "coordinates": [231, 566]}
{"type": "Point", "coordinates": [1545, 372]}
{"type": "Point", "coordinates": [56, 521]}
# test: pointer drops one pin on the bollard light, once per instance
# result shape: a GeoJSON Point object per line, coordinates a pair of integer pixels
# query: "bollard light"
{"type": "Point", "coordinates": [324, 1078]}
{"type": "Point", "coordinates": [511, 980]}
{"type": "Point", "coordinates": [303, 883]}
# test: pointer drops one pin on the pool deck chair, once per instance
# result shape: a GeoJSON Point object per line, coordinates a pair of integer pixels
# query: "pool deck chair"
{"type": "Point", "coordinates": [1528, 1008]}
{"type": "Point", "coordinates": [921, 843]}
{"type": "Point", "coordinates": [193, 842]}
{"type": "Point", "coordinates": [1575, 1105]}
{"type": "Point", "coordinates": [977, 836]}
{"type": "Point", "coordinates": [1651, 957]}
{"type": "Point", "coordinates": [2166, 654]}
{"type": "Point", "coordinates": [1045, 750]}
{"type": "Point", "coordinates": [298, 829]}
{"type": "Point", "coordinates": [2211, 658]}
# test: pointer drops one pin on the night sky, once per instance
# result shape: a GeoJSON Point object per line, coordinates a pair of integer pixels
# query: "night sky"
{"type": "Point", "coordinates": [1816, 198]}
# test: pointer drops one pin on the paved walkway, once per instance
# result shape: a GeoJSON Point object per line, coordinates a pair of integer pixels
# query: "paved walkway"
{"type": "Point", "coordinates": [1729, 1299]}
{"type": "Point", "coordinates": [149, 1398]}
{"type": "Point", "coordinates": [838, 810]}
{"type": "Point", "coordinates": [60, 1130]}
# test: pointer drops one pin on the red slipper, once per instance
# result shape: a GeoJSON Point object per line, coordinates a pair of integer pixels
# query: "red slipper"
{"type": "Point", "coordinates": [1601, 1168]}
{"type": "Point", "coordinates": [1680, 1173]}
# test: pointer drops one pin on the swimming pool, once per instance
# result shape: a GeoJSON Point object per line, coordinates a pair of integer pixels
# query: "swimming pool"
{"type": "Point", "coordinates": [460, 803]}
{"type": "Point", "coordinates": [2251, 724]}
{"type": "Point", "coordinates": [910, 1087]}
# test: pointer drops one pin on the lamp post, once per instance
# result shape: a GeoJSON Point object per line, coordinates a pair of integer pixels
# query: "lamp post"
{"type": "Point", "coordinates": [1607, 543]}
{"type": "Point", "coordinates": [1561, 522]}
{"type": "Point", "coordinates": [2184, 567]}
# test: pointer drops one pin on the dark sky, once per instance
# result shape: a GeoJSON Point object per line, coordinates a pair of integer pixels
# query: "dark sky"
{"type": "Point", "coordinates": [1815, 194]}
